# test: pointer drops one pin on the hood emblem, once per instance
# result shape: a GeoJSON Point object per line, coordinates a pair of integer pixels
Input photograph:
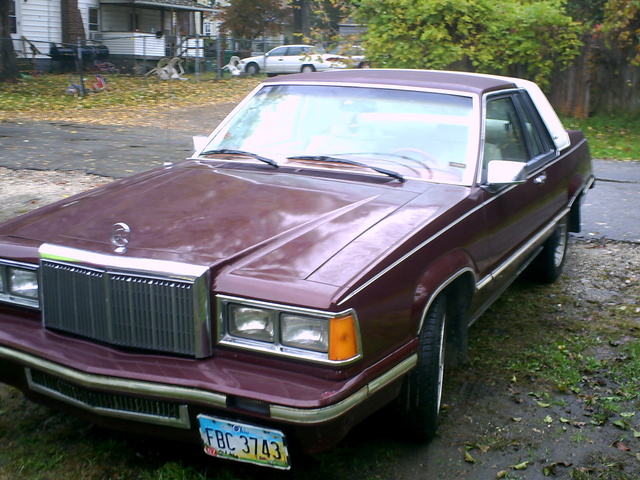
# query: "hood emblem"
{"type": "Point", "coordinates": [120, 236]}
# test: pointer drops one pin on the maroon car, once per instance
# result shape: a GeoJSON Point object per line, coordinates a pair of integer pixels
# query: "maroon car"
{"type": "Point", "coordinates": [312, 262]}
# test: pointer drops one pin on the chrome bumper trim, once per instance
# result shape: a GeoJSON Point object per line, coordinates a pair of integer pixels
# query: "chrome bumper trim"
{"type": "Point", "coordinates": [179, 394]}
{"type": "Point", "coordinates": [318, 415]}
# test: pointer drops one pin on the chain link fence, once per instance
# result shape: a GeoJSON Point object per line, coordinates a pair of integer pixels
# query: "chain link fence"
{"type": "Point", "coordinates": [135, 53]}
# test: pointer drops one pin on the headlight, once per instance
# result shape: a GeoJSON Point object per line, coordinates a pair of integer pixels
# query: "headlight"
{"type": "Point", "coordinates": [23, 283]}
{"type": "Point", "coordinates": [19, 284]}
{"type": "Point", "coordinates": [288, 331]}
{"type": "Point", "coordinates": [251, 323]}
{"type": "Point", "coordinates": [305, 332]}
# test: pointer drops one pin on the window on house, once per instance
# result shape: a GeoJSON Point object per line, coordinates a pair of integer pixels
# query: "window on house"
{"type": "Point", "coordinates": [13, 23]}
{"type": "Point", "coordinates": [93, 20]}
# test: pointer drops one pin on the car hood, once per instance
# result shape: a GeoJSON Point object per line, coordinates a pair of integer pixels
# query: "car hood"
{"type": "Point", "coordinates": [254, 222]}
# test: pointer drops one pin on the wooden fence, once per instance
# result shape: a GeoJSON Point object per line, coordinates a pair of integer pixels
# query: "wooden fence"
{"type": "Point", "coordinates": [600, 80]}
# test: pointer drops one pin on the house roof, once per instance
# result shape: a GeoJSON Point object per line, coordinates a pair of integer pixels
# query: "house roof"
{"type": "Point", "coordinates": [163, 4]}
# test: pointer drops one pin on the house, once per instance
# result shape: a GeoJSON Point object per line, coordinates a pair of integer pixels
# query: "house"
{"type": "Point", "coordinates": [134, 31]}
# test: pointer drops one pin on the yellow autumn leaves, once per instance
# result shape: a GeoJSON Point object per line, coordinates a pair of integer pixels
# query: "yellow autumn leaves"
{"type": "Point", "coordinates": [127, 101]}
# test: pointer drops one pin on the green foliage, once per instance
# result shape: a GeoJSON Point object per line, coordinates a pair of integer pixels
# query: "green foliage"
{"type": "Point", "coordinates": [588, 12]}
{"type": "Point", "coordinates": [527, 38]}
{"type": "Point", "coordinates": [622, 27]}
{"type": "Point", "coordinates": [250, 19]}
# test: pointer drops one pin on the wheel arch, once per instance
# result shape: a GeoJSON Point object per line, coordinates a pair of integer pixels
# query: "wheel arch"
{"type": "Point", "coordinates": [575, 205]}
{"type": "Point", "coordinates": [458, 286]}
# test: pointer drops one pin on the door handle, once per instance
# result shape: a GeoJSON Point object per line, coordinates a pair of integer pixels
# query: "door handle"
{"type": "Point", "coordinates": [540, 179]}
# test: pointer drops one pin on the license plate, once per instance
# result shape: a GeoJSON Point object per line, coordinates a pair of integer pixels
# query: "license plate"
{"type": "Point", "coordinates": [244, 443]}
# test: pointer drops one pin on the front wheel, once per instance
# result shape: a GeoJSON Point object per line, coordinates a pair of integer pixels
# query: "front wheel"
{"type": "Point", "coordinates": [308, 69]}
{"type": "Point", "coordinates": [547, 266]}
{"type": "Point", "coordinates": [421, 394]}
{"type": "Point", "coordinates": [252, 69]}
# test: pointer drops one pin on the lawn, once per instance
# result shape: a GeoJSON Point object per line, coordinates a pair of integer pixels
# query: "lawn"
{"type": "Point", "coordinates": [132, 99]}
{"type": "Point", "coordinates": [127, 101]}
{"type": "Point", "coordinates": [609, 136]}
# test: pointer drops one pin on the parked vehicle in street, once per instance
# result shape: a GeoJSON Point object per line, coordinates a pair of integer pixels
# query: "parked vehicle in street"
{"type": "Point", "coordinates": [321, 255]}
{"type": "Point", "coordinates": [292, 59]}
{"type": "Point", "coordinates": [355, 55]}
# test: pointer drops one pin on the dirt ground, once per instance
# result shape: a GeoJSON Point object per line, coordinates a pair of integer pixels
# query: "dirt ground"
{"type": "Point", "coordinates": [494, 425]}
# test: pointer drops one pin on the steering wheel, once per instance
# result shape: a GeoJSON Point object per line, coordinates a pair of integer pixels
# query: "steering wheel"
{"type": "Point", "coordinates": [427, 160]}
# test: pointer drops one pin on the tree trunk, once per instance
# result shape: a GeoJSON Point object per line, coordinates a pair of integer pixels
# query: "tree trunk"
{"type": "Point", "coordinates": [8, 63]}
{"type": "Point", "coordinates": [302, 19]}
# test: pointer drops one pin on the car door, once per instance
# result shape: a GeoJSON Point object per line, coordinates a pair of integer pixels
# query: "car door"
{"type": "Point", "coordinates": [274, 61]}
{"type": "Point", "coordinates": [516, 214]}
{"type": "Point", "coordinates": [294, 59]}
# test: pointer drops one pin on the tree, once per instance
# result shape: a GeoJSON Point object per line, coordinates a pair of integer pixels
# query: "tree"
{"type": "Point", "coordinates": [8, 64]}
{"type": "Point", "coordinates": [319, 19]}
{"type": "Point", "coordinates": [622, 27]}
{"type": "Point", "coordinates": [301, 18]}
{"type": "Point", "coordinates": [588, 12]}
{"type": "Point", "coordinates": [523, 38]}
{"type": "Point", "coordinates": [250, 19]}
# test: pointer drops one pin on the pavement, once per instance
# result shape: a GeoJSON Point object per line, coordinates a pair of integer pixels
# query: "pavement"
{"type": "Point", "coordinates": [611, 210]}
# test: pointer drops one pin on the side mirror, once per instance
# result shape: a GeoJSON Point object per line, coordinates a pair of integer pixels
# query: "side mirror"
{"type": "Point", "coordinates": [505, 172]}
{"type": "Point", "coordinates": [199, 142]}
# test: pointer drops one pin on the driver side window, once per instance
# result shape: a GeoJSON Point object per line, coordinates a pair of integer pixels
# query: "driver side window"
{"type": "Point", "coordinates": [504, 138]}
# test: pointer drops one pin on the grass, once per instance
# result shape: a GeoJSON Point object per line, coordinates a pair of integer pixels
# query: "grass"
{"type": "Point", "coordinates": [127, 100]}
{"type": "Point", "coordinates": [131, 99]}
{"type": "Point", "coordinates": [614, 137]}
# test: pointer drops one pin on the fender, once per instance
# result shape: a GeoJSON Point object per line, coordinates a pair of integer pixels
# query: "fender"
{"type": "Point", "coordinates": [453, 275]}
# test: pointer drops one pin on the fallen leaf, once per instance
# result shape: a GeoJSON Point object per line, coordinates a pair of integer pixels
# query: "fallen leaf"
{"type": "Point", "coordinates": [548, 419]}
{"type": "Point", "coordinates": [520, 466]}
{"type": "Point", "coordinates": [502, 474]}
{"type": "Point", "coordinates": [551, 469]}
{"type": "Point", "coordinates": [620, 446]}
{"type": "Point", "coordinates": [621, 424]}
{"type": "Point", "coordinates": [468, 458]}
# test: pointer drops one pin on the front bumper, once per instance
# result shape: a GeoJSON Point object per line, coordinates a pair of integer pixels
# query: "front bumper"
{"type": "Point", "coordinates": [123, 390]}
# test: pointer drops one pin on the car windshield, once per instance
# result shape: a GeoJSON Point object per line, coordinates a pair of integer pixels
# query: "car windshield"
{"type": "Point", "coordinates": [416, 134]}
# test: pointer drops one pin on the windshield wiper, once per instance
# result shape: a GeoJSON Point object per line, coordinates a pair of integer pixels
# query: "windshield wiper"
{"type": "Point", "coordinates": [328, 158]}
{"type": "Point", "coordinates": [229, 151]}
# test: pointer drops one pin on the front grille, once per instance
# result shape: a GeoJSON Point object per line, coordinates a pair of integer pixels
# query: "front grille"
{"type": "Point", "coordinates": [123, 406]}
{"type": "Point", "coordinates": [127, 310]}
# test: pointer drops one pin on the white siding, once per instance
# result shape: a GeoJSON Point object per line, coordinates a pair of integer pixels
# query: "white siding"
{"type": "Point", "coordinates": [115, 19]}
{"type": "Point", "coordinates": [40, 22]}
{"type": "Point", "coordinates": [192, 48]}
{"type": "Point", "coordinates": [141, 45]}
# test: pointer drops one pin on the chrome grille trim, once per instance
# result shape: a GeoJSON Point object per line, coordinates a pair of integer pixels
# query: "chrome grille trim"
{"type": "Point", "coordinates": [136, 309]}
{"type": "Point", "coordinates": [109, 404]}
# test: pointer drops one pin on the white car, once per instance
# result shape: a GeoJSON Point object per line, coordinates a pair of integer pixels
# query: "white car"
{"type": "Point", "coordinates": [292, 59]}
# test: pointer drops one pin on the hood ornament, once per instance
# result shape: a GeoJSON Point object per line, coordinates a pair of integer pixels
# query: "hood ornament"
{"type": "Point", "coordinates": [120, 236]}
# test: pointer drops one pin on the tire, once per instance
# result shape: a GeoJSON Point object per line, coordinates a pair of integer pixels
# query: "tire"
{"type": "Point", "coordinates": [421, 395]}
{"type": "Point", "coordinates": [252, 69]}
{"type": "Point", "coordinates": [308, 69]}
{"type": "Point", "coordinates": [548, 265]}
